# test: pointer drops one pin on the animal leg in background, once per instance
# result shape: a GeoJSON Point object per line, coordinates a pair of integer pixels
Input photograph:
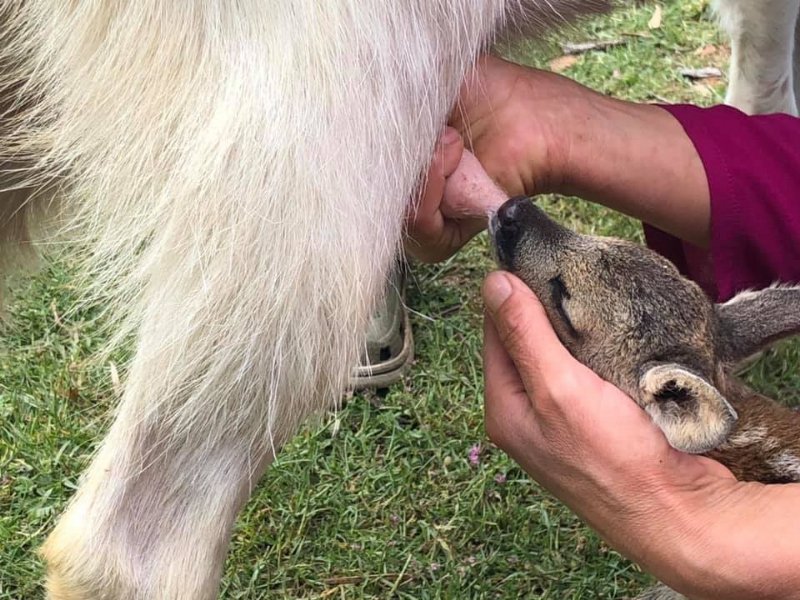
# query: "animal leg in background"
{"type": "Point", "coordinates": [796, 70]}
{"type": "Point", "coordinates": [762, 54]}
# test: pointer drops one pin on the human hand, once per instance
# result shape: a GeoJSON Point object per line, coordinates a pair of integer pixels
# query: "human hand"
{"type": "Point", "coordinates": [453, 205]}
{"type": "Point", "coordinates": [683, 517]}
{"type": "Point", "coordinates": [538, 132]}
{"type": "Point", "coordinates": [515, 120]}
{"type": "Point", "coordinates": [518, 123]}
{"type": "Point", "coordinates": [579, 436]}
{"type": "Point", "coordinates": [535, 132]}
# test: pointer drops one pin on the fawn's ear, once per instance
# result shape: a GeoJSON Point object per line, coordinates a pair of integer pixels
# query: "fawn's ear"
{"type": "Point", "coordinates": [751, 321]}
{"type": "Point", "coordinates": [690, 411]}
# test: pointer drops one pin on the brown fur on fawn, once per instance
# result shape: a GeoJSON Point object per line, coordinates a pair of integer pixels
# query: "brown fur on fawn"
{"type": "Point", "coordinates": [629, 315]}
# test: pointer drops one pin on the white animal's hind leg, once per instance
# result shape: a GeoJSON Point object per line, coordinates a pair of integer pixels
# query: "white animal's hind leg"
{"type": "Point", "coordinates": [796, 61]}
{"type": "Point", "coordinates": [243, 180]}
{"type": "Point", "coordinates": [234, 350]}
{"type": "Point", "coordinates": [762, 48]}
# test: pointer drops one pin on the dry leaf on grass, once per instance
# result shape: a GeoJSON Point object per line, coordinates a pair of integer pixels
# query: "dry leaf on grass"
{"type": "Point", "coordinates": [707, 50]}
{"type": "Point", "coordinates": [714, 54]}
{"type": "Point", "coordinates": [655, 20]}
{"type": "Point", "coordinates": [562, 63]}
{"type": "Point", "coordinates": [702, 89]}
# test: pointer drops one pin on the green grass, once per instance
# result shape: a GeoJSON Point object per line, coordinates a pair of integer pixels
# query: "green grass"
{"type": "Point", "coordinates": [380, 500]}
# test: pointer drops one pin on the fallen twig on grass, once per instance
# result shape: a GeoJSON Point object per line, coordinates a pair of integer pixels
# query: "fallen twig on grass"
{"type": "Point", "coordinates": [583, 47]}
{"type": "Point", "coordinates": [702, 73]}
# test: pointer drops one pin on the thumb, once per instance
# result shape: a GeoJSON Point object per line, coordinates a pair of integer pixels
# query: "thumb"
{"type": "Point", "coordinates": [543, 363]}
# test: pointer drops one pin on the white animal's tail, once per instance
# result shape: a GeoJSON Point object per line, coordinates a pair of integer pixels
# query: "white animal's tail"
{"type": "Point", "coordinates": [240, 171]}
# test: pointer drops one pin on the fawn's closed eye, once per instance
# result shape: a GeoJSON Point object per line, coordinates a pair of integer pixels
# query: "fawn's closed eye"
{"type": "Point", "coordinates": [559, 294]}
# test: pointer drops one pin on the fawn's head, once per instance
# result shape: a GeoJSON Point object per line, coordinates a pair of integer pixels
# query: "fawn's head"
{"type": "Point", "coordinates": [630, 316]}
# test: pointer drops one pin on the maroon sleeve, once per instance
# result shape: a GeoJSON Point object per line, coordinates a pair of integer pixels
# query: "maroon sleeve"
{"type": "Point", "coordinates": [753, 169]}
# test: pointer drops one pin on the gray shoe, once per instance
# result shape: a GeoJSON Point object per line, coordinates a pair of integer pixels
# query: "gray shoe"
{"type": "Point", "coordinates": [390, 344]}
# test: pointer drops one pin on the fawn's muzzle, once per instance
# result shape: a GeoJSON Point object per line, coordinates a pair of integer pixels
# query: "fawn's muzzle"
{"type": "Point", "coordinates": [516, 220]}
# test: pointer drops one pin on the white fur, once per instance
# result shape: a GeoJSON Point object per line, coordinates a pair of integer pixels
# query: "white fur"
{"type": "Point", "coordinates": [788, 464]}
{"type": "Point", "coordinates": [698, 432]}
{"type": "Point", "coordinates": [762, 78]}
{"type": "Point", "coordinates": [747, 437]}
{"type": "Point", "coordinates": [236, 173]}
{"type": "Point", "coordinates": [750, 295]}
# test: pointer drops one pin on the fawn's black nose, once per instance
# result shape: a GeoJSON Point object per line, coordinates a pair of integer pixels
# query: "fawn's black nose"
{"type": "Point", "coordinates": [506, 230]}
{"type": "Point", "coordinates": [515, 219]}
{"type": "Point", "coordinates": [507, 227]}
{"type": "Point", "coordinates": [508, 213]}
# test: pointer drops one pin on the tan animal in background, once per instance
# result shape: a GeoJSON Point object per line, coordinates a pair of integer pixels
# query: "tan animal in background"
{"type": "Point", "coordinates": [628, 314]}
{"type": "Point", "coordinates": [236, 174]}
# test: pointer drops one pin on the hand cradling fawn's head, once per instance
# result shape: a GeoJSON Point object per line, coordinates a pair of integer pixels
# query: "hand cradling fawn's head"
{"type": "Point", "coordinates": [626, 313]}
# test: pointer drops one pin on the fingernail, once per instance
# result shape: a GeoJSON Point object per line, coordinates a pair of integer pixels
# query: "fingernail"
{"type": "Point", "coordinates": [496, 290]}
{"type": "Point", "coordinates": [450, 135]}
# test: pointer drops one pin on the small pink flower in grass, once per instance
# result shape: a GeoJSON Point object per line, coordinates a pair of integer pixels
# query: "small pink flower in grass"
{"type": "Point", "coordinates": [475, 455]}
{"type": "Point", "coordinates": [500, 478]}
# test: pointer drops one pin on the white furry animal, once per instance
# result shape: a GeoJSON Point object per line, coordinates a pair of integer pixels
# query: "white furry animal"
{"type": "Point", "coordinates": [238, 172]}
{"type": "Point", "coordinates": [765, 70]}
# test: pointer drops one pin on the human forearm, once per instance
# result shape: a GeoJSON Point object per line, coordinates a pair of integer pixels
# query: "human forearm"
{"type": "Point", "coordinates": [710, 537]}
{"type": "Point", "coordinates": [753, 544]}
{"type": "Point", "coordinates": [637, 159]}
{"type": "Point", "coordinates": [536, 132]}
